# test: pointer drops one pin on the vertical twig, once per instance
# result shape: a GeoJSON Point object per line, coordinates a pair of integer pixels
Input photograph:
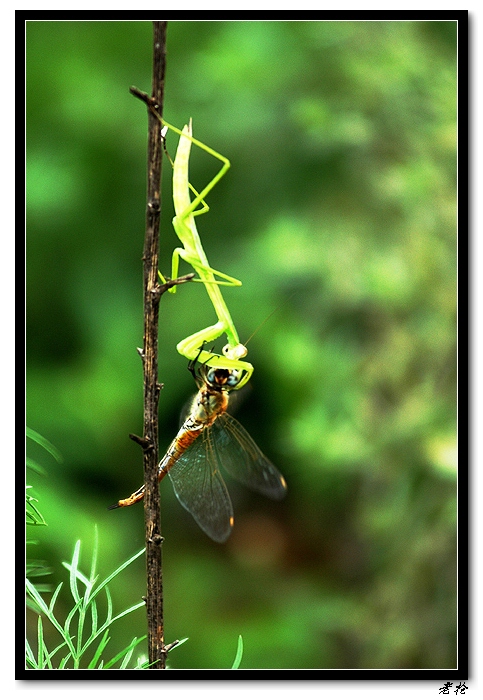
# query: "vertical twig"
{"type": "Point", "coordinates": [152, 295]}
{"type": "Point", "coordinates": [154, 598]}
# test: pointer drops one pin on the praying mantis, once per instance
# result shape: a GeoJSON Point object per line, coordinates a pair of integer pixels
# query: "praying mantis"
{"type": "Point", "coordinates": [194, 254]}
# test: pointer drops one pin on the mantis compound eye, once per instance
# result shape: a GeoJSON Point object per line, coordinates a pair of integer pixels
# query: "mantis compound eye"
{"type": "Point", "coordinates": [234, 352]}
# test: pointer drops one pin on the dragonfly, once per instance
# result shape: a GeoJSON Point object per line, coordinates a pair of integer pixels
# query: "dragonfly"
{"type": "Point", "coordinates": [208, 439]}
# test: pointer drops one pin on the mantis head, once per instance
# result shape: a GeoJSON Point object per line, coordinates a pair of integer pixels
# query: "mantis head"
{"type": "Point", "coordinates": [234, 352]}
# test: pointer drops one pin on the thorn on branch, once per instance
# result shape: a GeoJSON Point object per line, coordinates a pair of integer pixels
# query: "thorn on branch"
{"type": "Point", "coordinates": [170, 646]}
{"type": "Point", "coordinates": [145, 443]}
{"type": "Point", "coordinates": [150, 101]}
{"type": "Point", "coordinates": [144, 97]}
{"type": "Point", "coordinates": [160, 289]}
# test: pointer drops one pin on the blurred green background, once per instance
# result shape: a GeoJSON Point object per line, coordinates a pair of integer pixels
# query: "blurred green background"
{"type": "Point", "coordinates": [338, 212]}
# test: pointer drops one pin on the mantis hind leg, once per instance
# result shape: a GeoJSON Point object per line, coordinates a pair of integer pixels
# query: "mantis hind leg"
{"type": "Point", "coordinates": [226, 280]}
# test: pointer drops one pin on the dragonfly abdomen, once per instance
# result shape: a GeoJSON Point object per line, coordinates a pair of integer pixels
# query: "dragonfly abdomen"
{"type": "Point", "coordinates": [184, 438]}
{"type": "Point", "coordinates": [182, 441]}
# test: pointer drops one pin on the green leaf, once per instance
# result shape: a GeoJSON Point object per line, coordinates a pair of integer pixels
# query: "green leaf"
{"type": "Point", "coordinates": [239, 653]}
{"type": "Point", "coordinates": [127, 652]}
{"type": "Point", "coordinates": [40, 644]}
{"type": "Point", "coordinates": [74, 572]}
{"type": "Point", "coordinates": [36, 437]}
{"type": "Point", "coordinates": [116, 572]}
{"type": "Point", "coordinates": [35, 466]}
{"type": "Point", "coordinates": [30, 655]}
{"type": "Point", "coordinates": [33, 515]}
{"type": "Point", "coordinates": [54, 598]}
{"type": "Point", "coordinates": [100, 648]}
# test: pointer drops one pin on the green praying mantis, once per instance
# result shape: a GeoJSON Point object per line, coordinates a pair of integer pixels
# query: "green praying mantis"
{"type": "Point", "coordinates": [193, 253]}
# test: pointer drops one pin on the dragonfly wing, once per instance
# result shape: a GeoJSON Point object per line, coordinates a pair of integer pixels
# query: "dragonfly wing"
{"type": "Point", "coordinates": [200, 488]}
{"type": "Point", "coordinates": [241, 458]}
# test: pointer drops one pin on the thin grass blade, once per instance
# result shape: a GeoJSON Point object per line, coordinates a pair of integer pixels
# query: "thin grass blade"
{"type": "Point", "coordinates": [127, 652]}
{"type": "Point", "coordinates": [239, 653]}
{"type": "Point", "coordinates": [116, 572]}
{"type": "Point", "coordinates": [40, 643]}
{"type": "Point", "coordinates": [40, 440]}
{"type": "Point", "coordinates": [100, 648]}
{"type": "Point", "coordinates": [74, 571]}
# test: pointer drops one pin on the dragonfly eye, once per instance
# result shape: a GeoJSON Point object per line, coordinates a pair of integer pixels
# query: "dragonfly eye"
{"type": "Point", "coordinates": [219, 377]}
{"type": "Point", "coordinates": [234, 377]}
{"type": "Point", "coordinates": [210, 375]}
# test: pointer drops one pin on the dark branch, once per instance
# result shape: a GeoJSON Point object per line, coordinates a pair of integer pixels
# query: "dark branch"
{"type": "Point", "coordinates": [149, 441]}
